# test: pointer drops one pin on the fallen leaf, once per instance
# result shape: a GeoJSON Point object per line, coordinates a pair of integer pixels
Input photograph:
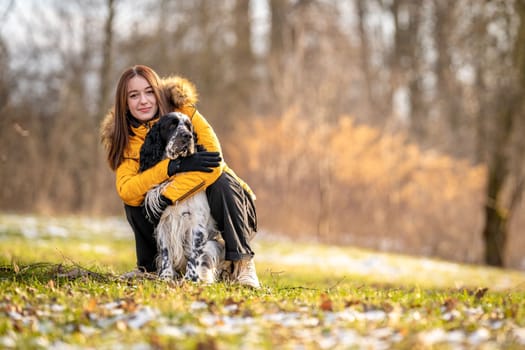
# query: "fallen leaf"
{"type": "Point", "coordinates": [480, 293]}
{"type": "Point", "coordinates": [326, 303]}
{"type": "Point", "coordinates": [450, 304]}
{"type": "Point", "coordinates": [129, 305]}
{"type": "Point", "coordinates": [51, 284]}
{"type": "Point", "coordinates": [352, 303]}
{"type": "Point", "coordinates": [91, 305]}
{"type": "Point", "coordinates": [387, 307]}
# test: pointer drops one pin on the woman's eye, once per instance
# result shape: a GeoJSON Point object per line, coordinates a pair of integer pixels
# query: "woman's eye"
{"type": "Point", "coordinates": [133, 95]}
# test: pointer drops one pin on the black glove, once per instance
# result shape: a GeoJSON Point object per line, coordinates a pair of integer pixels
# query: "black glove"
{"type": "Point", "coordinates": [153, 214]}
{"type": "Point", "coordinates": [200, 161]}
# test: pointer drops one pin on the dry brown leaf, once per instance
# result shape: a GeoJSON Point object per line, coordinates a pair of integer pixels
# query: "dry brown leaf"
{"type": "Point", "coordinates": [450, 304]}
{"type": "Point", "coordinates": [480, 293]}
{"type": "Point", "coordinates": [91, 305]}
{"type": "Point", "coordinates": [326, 303]}
{"type": "Point", "coordinates": [51, 284]}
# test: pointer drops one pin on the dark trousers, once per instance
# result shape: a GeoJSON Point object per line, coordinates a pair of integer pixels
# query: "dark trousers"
{"type": "Point", "coordinates": [232, 208]}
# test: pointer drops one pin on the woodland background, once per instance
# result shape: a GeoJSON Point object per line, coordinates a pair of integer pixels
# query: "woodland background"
{"type": "Point", "coordinates": [389, 124]}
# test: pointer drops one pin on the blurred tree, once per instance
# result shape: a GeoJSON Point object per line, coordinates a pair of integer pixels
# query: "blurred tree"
{"type": "Point", "coordinates": [407, 61]}
{"type": "Point", "coordinates": [444, 72]}
{"type": "Point", "coordinates": [242, 85]}
{"type": "Point", "coordinates": [505, 153]}
{"type": "Point", "coordinates": [279, 72]}
{"type": "Point", "coordinates": [99, 179]}
{"type": "Point", "coordinates": [107, 59]}
{"type": "Point", "coordinates": [448, 94]}
{"type": "Point", "coordinates": [5, 73]}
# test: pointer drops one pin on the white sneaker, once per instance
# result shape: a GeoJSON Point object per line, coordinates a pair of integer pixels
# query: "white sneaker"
{"type": "Point", "coordinates": [244, 273]}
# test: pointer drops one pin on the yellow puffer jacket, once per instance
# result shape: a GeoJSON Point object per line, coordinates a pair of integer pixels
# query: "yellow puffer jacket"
{"type": "Point", "coordinates": [132, 185]}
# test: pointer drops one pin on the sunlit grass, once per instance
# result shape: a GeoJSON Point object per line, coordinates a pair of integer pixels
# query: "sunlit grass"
{"type": "Point", "coordinates": [64, 290]}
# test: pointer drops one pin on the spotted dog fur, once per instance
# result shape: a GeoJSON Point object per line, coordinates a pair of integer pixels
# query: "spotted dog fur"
{"type": "Point", "coordinates": [188, 242]}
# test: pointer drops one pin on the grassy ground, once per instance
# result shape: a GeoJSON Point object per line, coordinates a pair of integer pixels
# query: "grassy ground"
{"type": "Point", "coordinates": [60, 289]}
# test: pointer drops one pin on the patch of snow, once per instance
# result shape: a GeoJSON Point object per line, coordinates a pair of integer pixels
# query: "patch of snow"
{"type": "Point", "coordinates": [57, 231]}
{"type": "Point", "coordinates": [7, 341]}
{"type": "Point", "coordinates": [519, 333]}
{"type": "Point", "coordinates": [479, 336]}
{"type": "Point", "coordinates": [170, 331]}
{"type": "Point", "coordinates": [198, 305]}
{"type": "Point", "coordinates": [142, 316]}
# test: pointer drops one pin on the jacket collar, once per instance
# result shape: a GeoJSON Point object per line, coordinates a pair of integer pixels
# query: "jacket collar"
{"type": "Point", "coordinates": [139, 127]}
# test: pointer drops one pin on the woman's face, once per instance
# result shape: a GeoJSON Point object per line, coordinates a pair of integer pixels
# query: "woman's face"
{"type": "Point", "coordinates": [141, 99]}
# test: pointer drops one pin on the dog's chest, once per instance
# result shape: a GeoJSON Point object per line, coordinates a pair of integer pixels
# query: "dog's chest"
{"type": "Point", "coordinates": [192, 210]}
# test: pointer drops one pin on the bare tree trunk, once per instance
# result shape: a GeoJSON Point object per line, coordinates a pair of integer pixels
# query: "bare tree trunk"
{"type": "Point", "coordinates": [106, 61]}
{"type": "Point", "coordinates": [447, 94]}
{"type": "Point", "coordinates": [405, 60]}
{"type": "Point", "coordinates": [497, 213]}
{"type": "Point", "coordinates": [414, 58]}
{"type": "Point", "coordinates": [97, 175]}
{"type": "Point", "coordinates": [365, 60]}
{"type": "Point", "coordinates": [325, 194]}
{"type": "Point", "coordinates": [496, 216]}
{"type": "Point", "coordinates": [5, 84]}
{"type": "Point", "coordinates": [280, 35]}
{"type": "Point", "coordinates": [278, 10]}
{"type": "Point", "coordinates": [243, 59]}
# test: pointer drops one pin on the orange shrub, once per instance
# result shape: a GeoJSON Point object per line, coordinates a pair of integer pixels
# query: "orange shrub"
{"type": "Point", "coordinates": [352, 184]}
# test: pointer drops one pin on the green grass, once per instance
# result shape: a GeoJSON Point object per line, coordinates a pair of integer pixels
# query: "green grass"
{"type": "Point", "coordinates": [60, 288]}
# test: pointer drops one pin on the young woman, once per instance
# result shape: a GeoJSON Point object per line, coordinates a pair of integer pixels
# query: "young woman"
{"type": "Point", "coordinates": [141, 99]}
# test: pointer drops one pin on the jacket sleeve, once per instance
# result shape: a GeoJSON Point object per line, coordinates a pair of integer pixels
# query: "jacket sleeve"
{"type": "Point", "coordinates": [132, 185]}
{"type": "Point", "coordinates": [185, 184]}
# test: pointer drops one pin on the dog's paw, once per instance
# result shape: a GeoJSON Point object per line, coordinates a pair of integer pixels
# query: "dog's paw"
{"type": "Point", "coordinates": [166, 275]}
{"type": "Point", "coordinates": [191, 277]}
{"type": "Point", "coordinates": [207, 276]}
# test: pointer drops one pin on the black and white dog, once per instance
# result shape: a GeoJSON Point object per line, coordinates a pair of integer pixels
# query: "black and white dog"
{"type": "Point", "coordinates": [187, 239]}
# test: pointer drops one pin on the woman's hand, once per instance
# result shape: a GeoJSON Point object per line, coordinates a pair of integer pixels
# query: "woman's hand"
{"type": "Point", "coordinates": [201, 161]}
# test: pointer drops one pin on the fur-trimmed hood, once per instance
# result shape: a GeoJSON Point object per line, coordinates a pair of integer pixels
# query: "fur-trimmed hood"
{"type": "Point", "coordinates": [180, 93]}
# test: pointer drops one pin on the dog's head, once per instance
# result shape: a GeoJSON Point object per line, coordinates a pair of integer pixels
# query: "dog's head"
{"type": "Point", "coordinates": [171, 137]}
{"type": "Point", "coordinates": [176, 132]}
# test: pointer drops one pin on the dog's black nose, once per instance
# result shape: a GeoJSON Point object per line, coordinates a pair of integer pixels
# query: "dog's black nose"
{"type": "Point", "coordinates": [186, 136]}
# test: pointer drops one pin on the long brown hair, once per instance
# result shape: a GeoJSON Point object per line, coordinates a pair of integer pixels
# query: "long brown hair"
{"type": "Point", "coordinates": [121, 127]}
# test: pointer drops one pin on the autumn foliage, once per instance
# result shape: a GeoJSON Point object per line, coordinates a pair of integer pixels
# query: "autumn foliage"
{"type": "Point", "coordinates": [353, 184]}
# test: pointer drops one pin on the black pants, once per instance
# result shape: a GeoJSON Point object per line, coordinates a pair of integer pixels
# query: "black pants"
{"type": "Point", "coordinates": [232, 208]}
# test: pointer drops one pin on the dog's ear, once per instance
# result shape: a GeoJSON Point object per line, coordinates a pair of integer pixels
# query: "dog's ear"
{"type": "Point", "coordinates": [152, 151]}
{"type": "Point", "coordinates": [198, 147]}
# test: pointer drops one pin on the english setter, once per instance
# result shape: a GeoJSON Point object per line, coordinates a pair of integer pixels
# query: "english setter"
{"type": "Point", "coordinates": [187, 239]}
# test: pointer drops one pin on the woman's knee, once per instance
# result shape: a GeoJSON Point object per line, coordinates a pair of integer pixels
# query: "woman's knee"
{"type": "Point", "coordinates": [220, 184]}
